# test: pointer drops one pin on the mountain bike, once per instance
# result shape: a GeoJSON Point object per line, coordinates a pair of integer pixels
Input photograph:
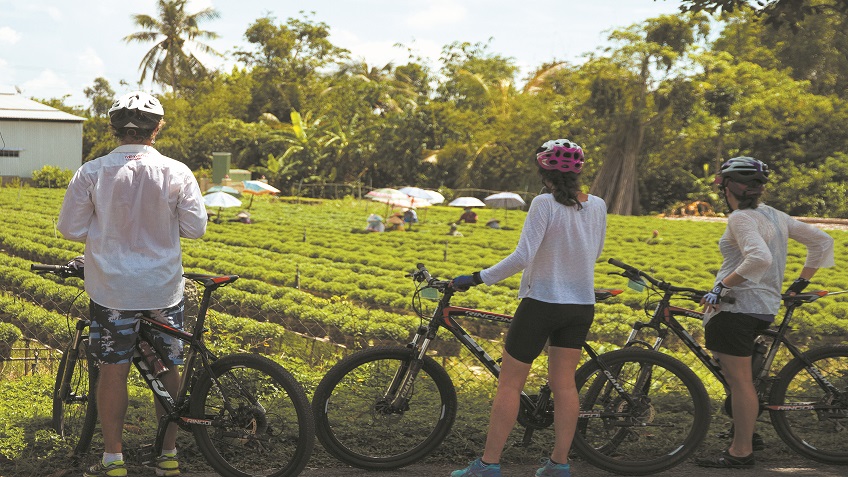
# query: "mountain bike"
{"type": "Point", "coordinates": [249, 415]}
{"type": "Point", "coordinates": [807, 400]}
{"type": "Point", "coordinates": [386, 407]}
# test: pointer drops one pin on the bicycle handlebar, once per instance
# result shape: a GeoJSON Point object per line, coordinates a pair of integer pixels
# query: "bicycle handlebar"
{"type": "Point", "coordinates": [423, 275]}
{"type": "Point", "coordinates": [633, 273]}
{"type": "Point", "coordinates": [63, 271]}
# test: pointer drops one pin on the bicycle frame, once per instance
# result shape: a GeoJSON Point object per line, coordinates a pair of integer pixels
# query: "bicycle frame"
{"type": "Point", "coordinates": [663, 320]}
{"type": "Point", "coordinates": [445, 317]}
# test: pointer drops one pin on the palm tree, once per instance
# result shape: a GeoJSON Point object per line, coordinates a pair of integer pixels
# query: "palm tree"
{"type": "Point", "coordinates": [174, 33]}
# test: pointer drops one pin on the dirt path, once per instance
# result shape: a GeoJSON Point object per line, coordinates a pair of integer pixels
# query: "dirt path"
{"type": "Point", "coordinates": [800, 468]}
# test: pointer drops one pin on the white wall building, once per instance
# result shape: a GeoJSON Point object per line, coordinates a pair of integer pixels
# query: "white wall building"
{"type": "Point", "coordinates": [33, 135]}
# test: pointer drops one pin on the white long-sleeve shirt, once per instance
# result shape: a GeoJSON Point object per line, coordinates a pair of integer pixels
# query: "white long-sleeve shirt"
{"type": "Point", "coordinates": [557, 250]}
{"type": "Point", "coordinates": [754, 245]}
{"type": "Point", "coordinates": [131, 207]}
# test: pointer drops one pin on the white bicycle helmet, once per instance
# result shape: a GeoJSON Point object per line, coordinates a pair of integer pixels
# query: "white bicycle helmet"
{"type": "Point", "coordinates": [136, 110]}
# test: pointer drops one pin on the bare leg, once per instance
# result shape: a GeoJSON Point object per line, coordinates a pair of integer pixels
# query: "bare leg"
{"type": "Point", "coordinates": [562, 363]}
{"type": "Point", "coordinates": [112, 401]}
{"type": "Point", "coordinates": [505, 406]}
{"type": "Point", "coordinates": [743, 398]}
{"type": "Point", "coordinates": [171, 380]}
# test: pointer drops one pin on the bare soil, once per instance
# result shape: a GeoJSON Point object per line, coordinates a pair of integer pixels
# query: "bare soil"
{"type": "Point", "coordinates": [799, 468]}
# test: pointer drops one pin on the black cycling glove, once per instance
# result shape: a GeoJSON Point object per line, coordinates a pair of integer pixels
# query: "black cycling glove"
{"type": "Point", "coordinates": [798, 286]}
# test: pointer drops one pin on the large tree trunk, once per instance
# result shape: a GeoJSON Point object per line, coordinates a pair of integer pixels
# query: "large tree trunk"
{"type": "Point", "coordinates": [617, 181]}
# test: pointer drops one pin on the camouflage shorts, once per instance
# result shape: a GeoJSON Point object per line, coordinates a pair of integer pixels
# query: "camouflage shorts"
{"type": "Point", "coordinates": [113, 333]}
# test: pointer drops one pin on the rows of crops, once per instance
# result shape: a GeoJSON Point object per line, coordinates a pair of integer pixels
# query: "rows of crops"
{"type": "Point", "coordinates": [313, 286]}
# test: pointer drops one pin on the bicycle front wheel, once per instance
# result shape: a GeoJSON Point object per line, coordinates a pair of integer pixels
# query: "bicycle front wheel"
{"type": "Point", "coordinates": [74, 398]}
{"type": "Point", "coordinates": [812, 420]}
{"type": "Point", "coordinates": [656, 420]}
{"type": "Point", "coordinates": [357, 422]}
{"type": "Point", "coordinates": [260, 422]}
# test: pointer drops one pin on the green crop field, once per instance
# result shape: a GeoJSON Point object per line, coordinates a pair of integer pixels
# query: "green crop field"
{"type": "Point", "coordinates": [314, 287]}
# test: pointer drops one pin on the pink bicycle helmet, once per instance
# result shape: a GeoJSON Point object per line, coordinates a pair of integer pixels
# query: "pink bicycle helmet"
{"type": "Point", "coordinates": [561, 155]}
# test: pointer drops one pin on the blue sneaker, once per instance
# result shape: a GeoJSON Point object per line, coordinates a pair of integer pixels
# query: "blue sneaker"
{"type": "Point", "coordinates": [549, 469]}
{"type": "Point", "coordinates": [478, 469]}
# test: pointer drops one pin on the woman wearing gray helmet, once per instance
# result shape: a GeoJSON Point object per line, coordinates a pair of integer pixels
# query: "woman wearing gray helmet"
{"type": "Point", "coordinates": [754, 251]}
{"type": "Point", "coordinates": [131, 207]}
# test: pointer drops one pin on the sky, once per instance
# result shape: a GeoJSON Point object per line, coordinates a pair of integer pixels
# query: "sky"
{"type": "Point", "coordinates": [56, 48]}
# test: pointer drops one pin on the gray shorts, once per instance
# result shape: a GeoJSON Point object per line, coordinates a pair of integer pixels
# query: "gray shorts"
{"type": "Point", "coordinates": [113, 333]}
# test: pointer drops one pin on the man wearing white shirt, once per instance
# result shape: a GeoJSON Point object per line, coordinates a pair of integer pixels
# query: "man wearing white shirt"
{"type": "Point", "coordinates": [131, 207]}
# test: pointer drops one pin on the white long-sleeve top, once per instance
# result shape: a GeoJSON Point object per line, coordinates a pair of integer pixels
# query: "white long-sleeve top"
{"type": "Point", "coordinates": [754, 245]}
{"type": "Point", "coordinates": [557, 250]}
{"type": "Point", "coordinates": [131, 207]}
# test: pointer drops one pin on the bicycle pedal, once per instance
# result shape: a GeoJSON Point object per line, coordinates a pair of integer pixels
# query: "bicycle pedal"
{"type": "Point", "coordinates": [145, 455]}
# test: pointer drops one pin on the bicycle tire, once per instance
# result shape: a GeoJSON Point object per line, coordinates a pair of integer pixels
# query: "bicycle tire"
{"type": "Point", "coordinates": [75, 411]}
{"type": "Point", "coordinates": [350, 400]}
{"type": "Point", "coordinates": [265, 428]}
{"type": "Point", "coordinates": [672, 418]}
{"type": "Point", "coordinates": [816, 434]}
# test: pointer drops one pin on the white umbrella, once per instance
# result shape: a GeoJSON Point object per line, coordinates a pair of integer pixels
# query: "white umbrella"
{"type": "Point", "coordinates": [416, 192]}
{"type": "Point", "coordinates": [220, 199]}
{"type": "Point", "coordinates": [390, 197]}
{"type": "Point", "coordinates": [436, 197]}
{"type": "Point", "coordinates": [466, 202]}
{"type": "Point", "coordinates": [505, 200]}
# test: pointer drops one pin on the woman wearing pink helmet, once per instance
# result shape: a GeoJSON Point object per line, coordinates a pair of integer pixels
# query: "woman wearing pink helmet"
{"type": "Point", "coordinates": [562, 238]}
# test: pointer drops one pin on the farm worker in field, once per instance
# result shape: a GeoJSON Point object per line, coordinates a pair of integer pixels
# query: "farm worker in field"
{"type": "Point", "coordinates": [395, 223]}
{"type": "Point", "coordinates": [754, 250]}
{"type": "Point", "coordinates": [654, 238]}
{"type": "Point", "coordinates": [409, 217]}
{"type": "Point", "coordinates": [493, 224]}
{"type": "Point", "coordinates": [468, 216]}
{"type": "Point", "coordinates": [131, 207]}
{"type": "Point", "coordinates": [375, 223]}
{"type": "Point", "coordinates": [562, 237]}
{"type": "Point", "coordinates": [454, 230]}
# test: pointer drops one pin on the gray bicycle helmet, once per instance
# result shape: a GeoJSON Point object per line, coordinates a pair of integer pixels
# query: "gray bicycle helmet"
{"type": "Point", "coordinates": [745, 178]}
{"type": "Point", "coordinates": [136, 110]}
{"type": "Point", "coordinates": [744, 169]}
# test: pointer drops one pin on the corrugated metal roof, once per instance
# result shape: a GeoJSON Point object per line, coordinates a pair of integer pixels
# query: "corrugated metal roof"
{"type": "Point", "coordinates": [15, 106]}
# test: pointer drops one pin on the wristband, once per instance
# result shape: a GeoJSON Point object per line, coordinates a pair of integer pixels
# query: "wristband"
{"type": "Point", "coordinates": [476, 277]}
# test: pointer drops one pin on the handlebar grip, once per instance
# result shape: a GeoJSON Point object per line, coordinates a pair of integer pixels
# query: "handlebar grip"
{"type": "Point", "coordinates": [41, 267]}
{"type": "Point", "coordinates": [619, 264]}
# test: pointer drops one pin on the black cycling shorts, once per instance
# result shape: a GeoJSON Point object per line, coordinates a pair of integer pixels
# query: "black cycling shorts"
{"type": "Point", "coordinates": [535, 322]}
{"type": "Point", "coordinates": [733, 333]}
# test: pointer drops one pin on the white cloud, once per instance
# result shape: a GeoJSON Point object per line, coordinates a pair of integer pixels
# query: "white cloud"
{"type": "Point", "coordinates": [9, 36]}
{"type": "Point", "coordinates": [437, 13]}
{"type": "Point", "coordinates": [90, 62]}
{"type": "Point", "coordinates": [49, 84]}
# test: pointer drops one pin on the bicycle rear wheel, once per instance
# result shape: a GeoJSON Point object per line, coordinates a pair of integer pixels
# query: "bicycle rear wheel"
{"type": "Point", "coordinates": [356, 422]}
{"type": "Point", "coordinates": [668, 419]}
{"type": "Point", "coordinates": [74, 398]}
{"type": "Point", "coordinates": [262, 424]}
{"type": "Point", "coordinates": [818, 428]}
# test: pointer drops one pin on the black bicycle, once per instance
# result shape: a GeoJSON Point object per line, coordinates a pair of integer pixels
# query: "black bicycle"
{"type": "Point", "coordinates": [807, 400]}
{"type": "Point", "coordinates": [387, 407]}
{"type": "Point", "coordinates": [248, 414]}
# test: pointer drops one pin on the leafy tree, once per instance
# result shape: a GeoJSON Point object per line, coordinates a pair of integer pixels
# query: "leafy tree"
{"type": "Point", "coordinates": [627, 96]}
{"type": "Point", "coordinates": [101, 96]}
{"type": "Point", "coordinates": [776, 12]}
{"type": "Point", "coordinates": [286, 62]}
{"type": "Point", "coordinates": [175, 34]}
